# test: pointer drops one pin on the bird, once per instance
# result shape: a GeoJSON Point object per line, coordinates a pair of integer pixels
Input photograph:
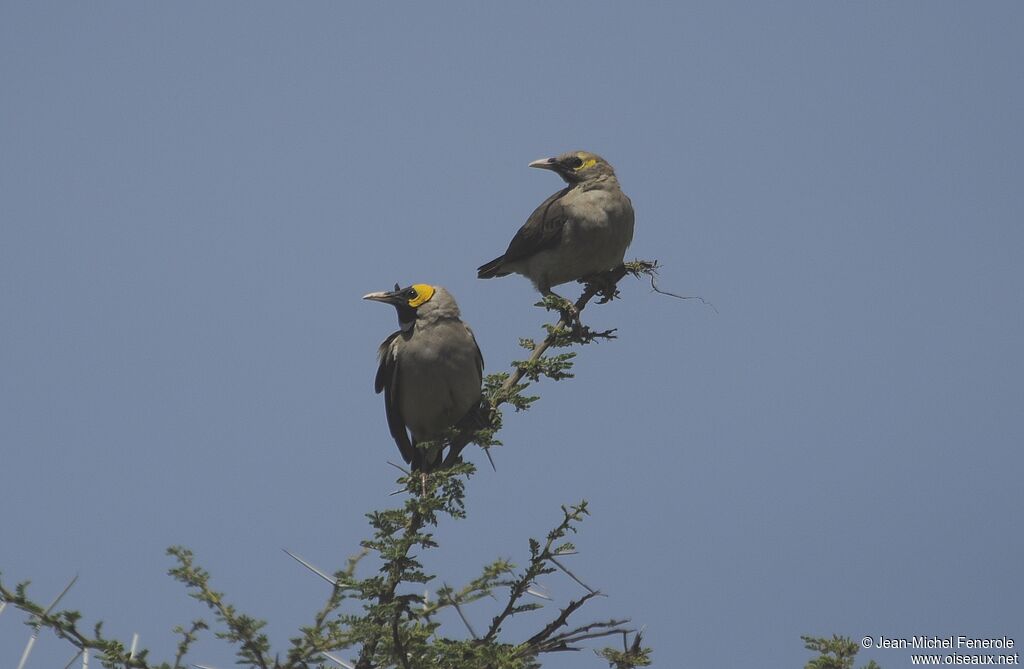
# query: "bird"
{"type": "Point", "coordinates": [430, 370]}
{"type": "Point", "coordinates": [580, 231]}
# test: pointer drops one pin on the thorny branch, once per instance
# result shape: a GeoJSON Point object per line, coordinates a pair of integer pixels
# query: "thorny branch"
{"type": "Point", "coordinates": [64, 624]}
{"type": "Point", "coordinates": [606, 286]}
{"type": "Point", "coordinates": [387, 612]}
{"type": "Point", "coordinates": [369, 649]}
{"type": "Point", "coordinates": [546, 640]}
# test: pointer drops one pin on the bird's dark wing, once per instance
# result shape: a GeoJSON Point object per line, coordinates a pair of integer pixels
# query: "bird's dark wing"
{"type": "Point", "coordinates": [386, 366]}
{"type": "Point", "coordinates": [387, 381]}
{"type": "Point", "coordinates": [541, 231]}
{"type": "Point", "coordinates": [479, 355]}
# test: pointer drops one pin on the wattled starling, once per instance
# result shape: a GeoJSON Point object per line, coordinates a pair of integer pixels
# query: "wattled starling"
{"type": "Point", "coordinates": [580, 231]}
{"type": "Point", "coordinates": [430, 369]}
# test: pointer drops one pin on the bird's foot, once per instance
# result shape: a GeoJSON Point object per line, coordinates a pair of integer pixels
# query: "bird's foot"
{"type": "Point", "coordinates": [570, 315]}
{"type": "Point", "coordinates": [604, 284]}
{"type": "Point", "coordinates": [568, 312]}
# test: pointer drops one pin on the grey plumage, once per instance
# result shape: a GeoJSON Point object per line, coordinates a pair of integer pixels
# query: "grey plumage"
{"type": "Point", "coordinates": [429, 371]}
{"type": "Point", "coordinates": [581, 230]}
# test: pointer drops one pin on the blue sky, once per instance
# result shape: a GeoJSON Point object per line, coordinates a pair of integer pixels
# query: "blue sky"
{"type": "Point", "coordinates": [195, 196]}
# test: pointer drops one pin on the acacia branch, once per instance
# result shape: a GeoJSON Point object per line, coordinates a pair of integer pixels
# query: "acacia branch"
{"type": "Point", "coordinates": [562, 619]}
{"type": "Point", "coordinates": [253, 647]}
{"type": "Point", "coordinates": [323, 634]}
{"type": "Point", "coordinates": [64, 625]}
{"type": "Point", "coordinates": [369, 649]}
{"type": "Point", "coordinates": [538, 566]}
{"type": "Point", "coordinates": [381, 632]}
{"type": "Point", "coordinates": [606, 285]}
{"type": "Point", "coordinates": [563, 641]}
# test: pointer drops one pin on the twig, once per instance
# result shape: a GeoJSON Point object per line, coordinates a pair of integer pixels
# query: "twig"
{"type": "Point", "coordinates": [563, 322]}
{"type": "Point", "coordinates": [562, 642]}
{"type": "Point", "coordinates": [369, 648]}
{"type": "Point", "coordinates": [61, 628]}
{"type": "Point", "coordinates": [397, 638]}
{"type": "Point", "coordinates": [653, 273]}
{"type": "Point", "coordinates": [40, 619]}
{"type": "Point", "coordinates": [537, 567]}
{"type": "Point", "coordinates": [188, 637]}
{"type": "Point", "coordinates": [561, 620]}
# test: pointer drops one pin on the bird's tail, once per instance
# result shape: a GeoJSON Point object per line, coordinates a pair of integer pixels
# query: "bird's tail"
{"type": "Point", "coordinates": [492, 269]}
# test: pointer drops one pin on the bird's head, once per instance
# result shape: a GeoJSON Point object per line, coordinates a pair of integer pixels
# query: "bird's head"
{"type": "Point", "coordinates": [576, 166]}
{"type": "Point", "coordinates": [415, 301]}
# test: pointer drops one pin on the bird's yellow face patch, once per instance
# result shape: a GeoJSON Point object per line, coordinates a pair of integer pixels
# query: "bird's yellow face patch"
{"type": "Point", "coordinates": [423, 293]}
{"type": "Point", "coordinates": [588, 161]}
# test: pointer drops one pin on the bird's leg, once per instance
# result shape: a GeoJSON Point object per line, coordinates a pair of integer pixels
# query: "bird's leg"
{"type": "Point", "coordinates": [456, 443]}
{"type": "Point", "coordinates": [453, 457]}
{"type": "Point", "coordinates": [605, 283]}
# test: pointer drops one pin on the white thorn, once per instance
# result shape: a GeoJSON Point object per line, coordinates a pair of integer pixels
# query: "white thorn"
{"type": "Point", "coordinates": [340, 662]}
{"type": "Point", "coordinates": [329, 579]}
{"type": "Point", "coordinates": [28, 649]}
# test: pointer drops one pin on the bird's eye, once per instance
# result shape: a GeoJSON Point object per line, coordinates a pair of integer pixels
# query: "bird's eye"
{"type": "Point", "coordinates": [575, 162]}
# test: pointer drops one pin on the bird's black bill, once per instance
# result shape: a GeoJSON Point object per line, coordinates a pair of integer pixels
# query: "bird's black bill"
{"type": "Point", "coordinates": [394, 297]}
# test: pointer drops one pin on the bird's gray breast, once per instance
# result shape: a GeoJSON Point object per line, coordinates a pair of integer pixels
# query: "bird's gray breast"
{"type": "Point", "coordinates": [597, 231]}
{"type": "Point", "coordinates": [438, 378]}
